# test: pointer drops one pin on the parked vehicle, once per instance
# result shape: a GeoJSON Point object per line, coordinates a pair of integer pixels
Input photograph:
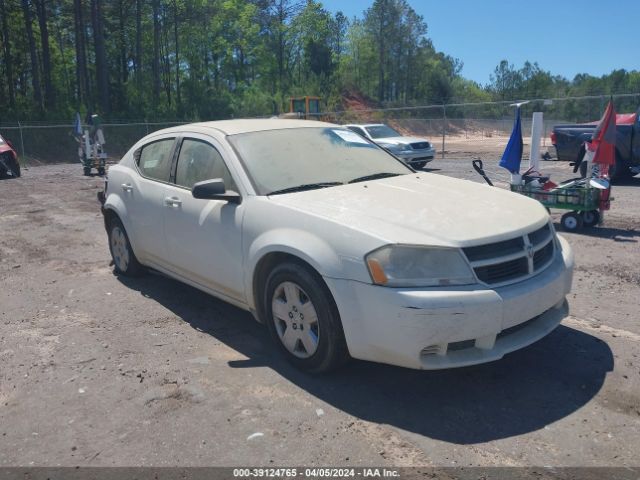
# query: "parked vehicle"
{"type": "Point", "coordinates": [569, 142]}
{"type": "Point", "coordinates": [414, 151]}
{"type": "Point", "coordinates": [9, 165]}
{"type": "Point", "coordinates": [268, 215]}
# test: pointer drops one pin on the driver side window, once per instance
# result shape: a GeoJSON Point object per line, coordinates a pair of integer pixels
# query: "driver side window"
{"type": "Point", "coordinates": [199, 161]}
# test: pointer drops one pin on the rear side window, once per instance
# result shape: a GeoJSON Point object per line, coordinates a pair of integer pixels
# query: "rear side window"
{"type": "Point", "coordinates": [154, 160]}
{"type": "Point", "coordinates": [199, 161]}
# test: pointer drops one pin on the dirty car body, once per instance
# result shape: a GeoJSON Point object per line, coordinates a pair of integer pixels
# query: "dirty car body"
{"type": "Point", "coordinates": [469, 275]}
{"type": "Point", "coordinates": [414, 151]}
{"type": "Point", "coordinates": [9, 165]}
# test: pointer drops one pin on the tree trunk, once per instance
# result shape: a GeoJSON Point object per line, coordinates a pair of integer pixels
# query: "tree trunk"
{"type": "Point", "coordinates": [35, 70]}
{"type": "Point", "coordinates": [49, 91]}
{"type": "Point", "coordinates": [8, 61]}
{"type": "Point", "coordinates": [175, 35]}
{"type": "Point", "coordinates": [102, 74]}
{"type": "Point", "coordinates": [155, 65]}
{"type": "Point", "coordinates": [381, 46]}
{"type": "Point", "coordinates": [124, 71]}
{"type": "Point", "coordinates": [138, 63]}
{"type": "Point", "coordinates": [82, 76]}
{"type": "Point", "coordinates": [166, 63]}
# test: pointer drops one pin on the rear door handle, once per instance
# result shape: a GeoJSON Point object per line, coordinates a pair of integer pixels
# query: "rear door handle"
{"type": "Point", "coordinates": [172, 201]}
{"type": "Point", "coordinates": [127, 187]}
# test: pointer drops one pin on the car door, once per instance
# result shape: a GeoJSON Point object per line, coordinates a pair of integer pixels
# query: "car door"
{"type": "Point", "coordinates": [204, 236]}
{"type": "Point", "coordinates": [143, 194]}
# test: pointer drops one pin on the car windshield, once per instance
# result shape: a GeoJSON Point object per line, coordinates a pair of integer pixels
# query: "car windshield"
{"type": "Point", "coordinates": [295, 158]}
{"type": "Point", "coordinates": [382, 131]}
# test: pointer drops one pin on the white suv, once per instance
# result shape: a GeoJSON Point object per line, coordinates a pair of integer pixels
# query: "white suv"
{"type": "Point", "coordinates": [414, 151]}
{"type": "Point", "coordinates": [305, 225]}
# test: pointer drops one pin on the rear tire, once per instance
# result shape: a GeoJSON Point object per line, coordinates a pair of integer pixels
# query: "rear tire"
{"type": "Point", "coordinates": [11, 164]}
{"type": "Point", "coordinates": [418, 165]}
{"type": "Point", "coordinates": [124, 260]}
{"type": "Point", "coordinates": [303, 319]}
{"type": "Point", "coordinates": [590, 218]}
{"type": "Point", "coordinates": [571, 221]}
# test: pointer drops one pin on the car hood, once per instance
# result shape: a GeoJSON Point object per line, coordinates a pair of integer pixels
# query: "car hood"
{"type": "Point", "coordinates": [398, 140]}
{"type": "Point", "coordinates": [423, 209]}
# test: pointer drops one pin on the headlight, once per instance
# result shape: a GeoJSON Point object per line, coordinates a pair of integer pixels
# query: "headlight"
{"type": "Point", "coordinates": [415, 266]}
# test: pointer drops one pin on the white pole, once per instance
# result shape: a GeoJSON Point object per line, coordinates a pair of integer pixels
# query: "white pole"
{"type": "Point", "coordinates": [536, 135]}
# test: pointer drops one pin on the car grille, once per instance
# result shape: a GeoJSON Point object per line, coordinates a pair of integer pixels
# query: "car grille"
{"type": "Point", "coordinates": [512, 260]}
{"type": "Point", "coordinates": [420, 145]}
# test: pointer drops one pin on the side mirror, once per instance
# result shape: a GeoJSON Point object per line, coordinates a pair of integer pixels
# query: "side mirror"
{"type": "Point", "coordinates": [214, 190]}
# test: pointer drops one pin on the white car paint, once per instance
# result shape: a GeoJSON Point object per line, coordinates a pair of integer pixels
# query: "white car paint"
{"type": "Point", "coordinates": [332, 230]}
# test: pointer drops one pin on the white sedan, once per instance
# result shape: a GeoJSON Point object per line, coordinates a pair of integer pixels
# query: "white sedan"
{"type": "Point", "coordinates": [305, 225]}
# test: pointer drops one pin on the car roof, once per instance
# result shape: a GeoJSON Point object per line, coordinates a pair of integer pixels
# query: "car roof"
{"type": "Point", "coordinates": [365, 125]}
{"type": "Point", "coordinates": [234, 127]}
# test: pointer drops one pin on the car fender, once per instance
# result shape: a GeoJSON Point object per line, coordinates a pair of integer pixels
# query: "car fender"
{"type": "Point", "coordinates": [115, 203]}
{"type": "Point", "coordinates": [299, 243]}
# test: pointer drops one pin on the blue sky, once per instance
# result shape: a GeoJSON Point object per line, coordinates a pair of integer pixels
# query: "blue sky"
{"type": "Point", "coordinates": [565, 37]}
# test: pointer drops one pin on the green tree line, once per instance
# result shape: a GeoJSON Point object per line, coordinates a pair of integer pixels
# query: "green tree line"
{"type": "Point", "coordinates": [210, 59]}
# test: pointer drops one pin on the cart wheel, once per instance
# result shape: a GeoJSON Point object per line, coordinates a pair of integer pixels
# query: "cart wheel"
{"type": "Point", "coordinates": [101, 171]}
{"type": "Point", "coordinates": [571, 221]}
{"type": "Point", "coordinates": [590, 218]}
{"type": "Point", "coordinates": [87, 171]}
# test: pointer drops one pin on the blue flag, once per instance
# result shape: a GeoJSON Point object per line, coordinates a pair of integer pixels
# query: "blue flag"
{"type": "Point", "coordinates": [77, 126]}
{"type": "Point", "coordinates": [512, 155]}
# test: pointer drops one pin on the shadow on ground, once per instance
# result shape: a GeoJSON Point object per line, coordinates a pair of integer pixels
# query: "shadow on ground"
{"type": "Point", "coordinates": [616, 234]}
{"type": "Point", "coordinates": [521, 393]}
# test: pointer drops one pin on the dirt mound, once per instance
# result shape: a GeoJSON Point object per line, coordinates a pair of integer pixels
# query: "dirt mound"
{"type": "Point", "coordinates": [356, 101]}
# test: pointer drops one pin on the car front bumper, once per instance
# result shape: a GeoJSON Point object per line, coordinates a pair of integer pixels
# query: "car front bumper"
{"type": "Point", "coordinates": [417, 156]}
{"type": "Point", "coordinates": [435, 328]}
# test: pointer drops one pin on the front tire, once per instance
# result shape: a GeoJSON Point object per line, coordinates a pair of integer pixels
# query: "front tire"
{"type": "Point", "coordinates": [124, 260]}
{"type": "Point", "coordinates": [303, 319]}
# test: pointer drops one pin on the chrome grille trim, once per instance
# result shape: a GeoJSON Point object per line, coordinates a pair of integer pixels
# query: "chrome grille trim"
{"type": "Point", "coordinates": [513, 260]}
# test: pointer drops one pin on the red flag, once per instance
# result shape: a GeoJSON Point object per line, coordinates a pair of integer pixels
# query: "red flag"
{"type": "Point", "coordinates": [603, 142]}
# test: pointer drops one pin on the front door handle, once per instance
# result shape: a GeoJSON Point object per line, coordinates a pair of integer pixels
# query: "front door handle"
{"type": "Point", "coordinates": [172, 201]}
{"type": "Point", "coordinates": [127, 187]}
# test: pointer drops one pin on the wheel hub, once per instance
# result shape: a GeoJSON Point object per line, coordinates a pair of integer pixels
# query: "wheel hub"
{"type": "Point", "coordinates": [295, 319]}
{"type": "Point", "coordinates": [119, 249]}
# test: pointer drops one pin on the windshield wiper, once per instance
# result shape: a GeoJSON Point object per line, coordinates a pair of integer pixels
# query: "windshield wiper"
{"type": "Point", "coordinates": [306, 186]}
{"type": "Point", "coordinates": [374, 176]}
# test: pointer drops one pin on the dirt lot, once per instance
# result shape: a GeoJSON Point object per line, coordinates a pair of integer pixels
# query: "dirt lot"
{"type": "Point", "coordinates": [99, 370]}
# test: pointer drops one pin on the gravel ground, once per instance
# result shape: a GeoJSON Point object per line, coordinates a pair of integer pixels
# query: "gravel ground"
{"type": "Point", "coordinates": [97, 370]}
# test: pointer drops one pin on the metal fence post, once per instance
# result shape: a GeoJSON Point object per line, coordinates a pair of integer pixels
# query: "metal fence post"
{"type": "Point", "coordinates": [444, 126]}
{"type": "Point", "coordinates": [22, 154]}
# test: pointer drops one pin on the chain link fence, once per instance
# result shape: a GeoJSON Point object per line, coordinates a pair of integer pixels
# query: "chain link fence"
{"type": "Point", "coordinates": [457, 130]}
{"type": "Point", "coordinates": [41, 143]}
